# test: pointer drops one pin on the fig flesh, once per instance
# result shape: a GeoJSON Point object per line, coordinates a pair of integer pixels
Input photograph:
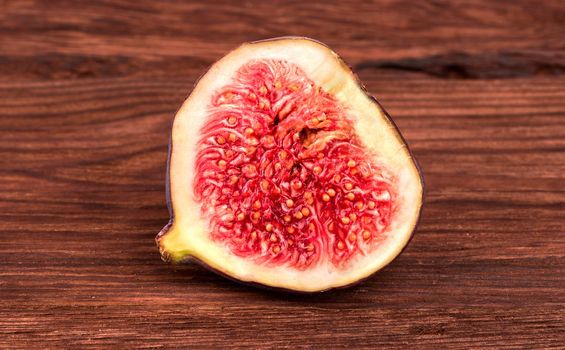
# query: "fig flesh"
{"type": "Point", "coordinates": [283, 172]}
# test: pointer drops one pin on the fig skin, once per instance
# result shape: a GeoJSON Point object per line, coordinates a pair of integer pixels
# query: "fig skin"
{"type": "Point", "coordinates": [191, 259]}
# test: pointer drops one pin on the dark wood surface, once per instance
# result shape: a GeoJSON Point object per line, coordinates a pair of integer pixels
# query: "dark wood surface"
{"type": "Point", "coordinates": [88, 90]}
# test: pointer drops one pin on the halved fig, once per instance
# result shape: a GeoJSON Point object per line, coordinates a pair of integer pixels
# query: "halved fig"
{"type": "Point", "coordinates": [283, 172]}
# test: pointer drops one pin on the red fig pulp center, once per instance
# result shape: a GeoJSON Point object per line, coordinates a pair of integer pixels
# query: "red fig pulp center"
{"type": "Point", "coordinates": [282, 175]}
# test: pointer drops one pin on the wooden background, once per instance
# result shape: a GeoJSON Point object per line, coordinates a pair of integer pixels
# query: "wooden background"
{"type": "Point", "coordinates": [88, 90]}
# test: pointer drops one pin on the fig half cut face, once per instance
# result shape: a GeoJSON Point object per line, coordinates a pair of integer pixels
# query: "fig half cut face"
{"type": "Point", "coordinates": [283, 172]}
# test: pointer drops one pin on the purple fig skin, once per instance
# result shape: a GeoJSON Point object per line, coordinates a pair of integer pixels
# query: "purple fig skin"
{"type": "Point", "coordinates": [191, 259]}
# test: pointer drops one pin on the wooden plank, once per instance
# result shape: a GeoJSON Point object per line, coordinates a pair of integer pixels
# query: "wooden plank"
{"type": "Point", "coordinates": [82, 168]}
{"type": "Point", "coordinates": [62, 39]}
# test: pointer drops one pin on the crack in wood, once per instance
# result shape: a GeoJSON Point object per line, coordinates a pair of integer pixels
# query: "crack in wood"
{"type": "Point", "coordinates": [501, 65]}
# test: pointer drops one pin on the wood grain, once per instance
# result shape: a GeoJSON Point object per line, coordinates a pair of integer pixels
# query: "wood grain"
{"type": "Point", "coordinates": [87, 95]}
